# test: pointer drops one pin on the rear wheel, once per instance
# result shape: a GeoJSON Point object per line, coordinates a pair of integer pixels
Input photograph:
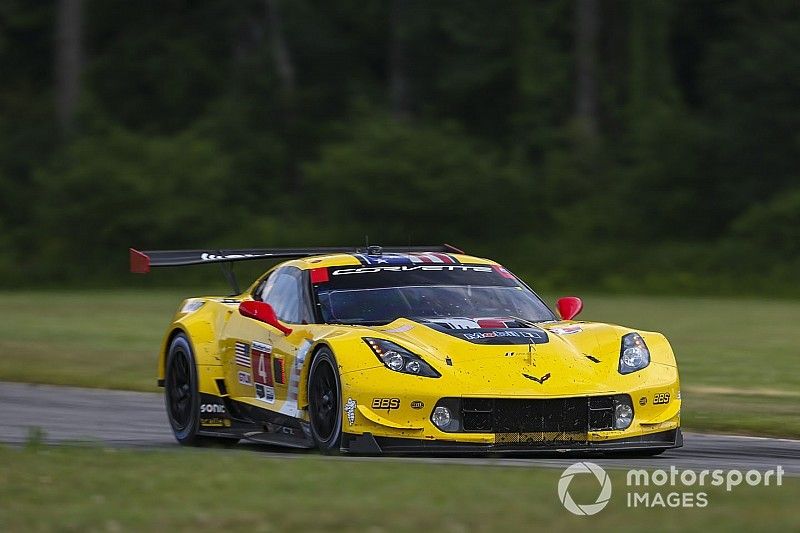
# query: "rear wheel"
{"type": "Point", "coordinates": [324, 401]}
{"type": "Point", "coordinates": [182, 397]}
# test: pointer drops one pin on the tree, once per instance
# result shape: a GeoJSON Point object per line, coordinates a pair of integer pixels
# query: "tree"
{"type": "Point", "coordinates": [68, 62]}
{"type": "Point", "coordinates": [284, 67]}
{"type": "Point", "coordinates": [586, 100]}
{"type": "Point", "coordinates": [398, 61]}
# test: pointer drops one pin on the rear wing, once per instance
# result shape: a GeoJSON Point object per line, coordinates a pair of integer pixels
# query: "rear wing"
{"type": "Point", "coordinates": [143, 261]}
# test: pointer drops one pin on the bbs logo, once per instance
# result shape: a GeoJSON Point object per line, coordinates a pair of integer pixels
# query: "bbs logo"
{"type": "Point", "coordinates": [386, 403]}
{"type": "Point", "coordinates": [661, 398]}
{"type": "Point", "coordinates": [212, 408]}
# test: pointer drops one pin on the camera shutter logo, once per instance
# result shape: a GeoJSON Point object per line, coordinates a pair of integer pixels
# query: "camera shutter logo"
{"type": "Point", "coordinates": [590, 508]}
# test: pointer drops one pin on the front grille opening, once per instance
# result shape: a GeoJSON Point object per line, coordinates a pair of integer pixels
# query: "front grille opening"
{"type": "Point", "coordinates": [538, 420]}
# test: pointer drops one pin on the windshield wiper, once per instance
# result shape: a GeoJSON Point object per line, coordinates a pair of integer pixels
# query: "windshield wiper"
{"type": "Point", "coordinates": [523, 320]}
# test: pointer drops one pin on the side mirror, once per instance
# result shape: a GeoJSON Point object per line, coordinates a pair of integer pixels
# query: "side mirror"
{"type": "Point", "coordinates": [263, 312]}
{"type": "Point", "coordinates": [569, 307]}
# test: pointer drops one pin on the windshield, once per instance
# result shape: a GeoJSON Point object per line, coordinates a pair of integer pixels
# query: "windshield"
{"type": "Point", "coordinates": [379, 295]}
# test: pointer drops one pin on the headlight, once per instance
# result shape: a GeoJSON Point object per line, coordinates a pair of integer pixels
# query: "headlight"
{"type": "Point", "coordinates": [397, 358]}
{"type": "Point", "coordinates": [633, 355]}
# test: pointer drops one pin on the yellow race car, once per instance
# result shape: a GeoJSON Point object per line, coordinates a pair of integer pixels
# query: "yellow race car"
{"type": "Point", "coordinates": [386, 350]}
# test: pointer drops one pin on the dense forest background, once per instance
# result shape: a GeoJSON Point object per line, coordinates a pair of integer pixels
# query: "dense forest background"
{"type": "Point", "coordinates": [619, 145]}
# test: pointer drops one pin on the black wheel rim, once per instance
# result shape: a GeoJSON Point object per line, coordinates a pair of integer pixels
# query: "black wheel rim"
{"type": "Point", "coordinates": [324, 401]}
{"type": "Point", "coordinates": [179, 390]}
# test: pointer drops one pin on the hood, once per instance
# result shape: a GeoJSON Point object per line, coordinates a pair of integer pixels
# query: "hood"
{"type": "Point", "coordinates": [509, 356]}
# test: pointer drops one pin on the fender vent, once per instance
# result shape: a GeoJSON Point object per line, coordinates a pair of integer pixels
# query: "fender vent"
{"type": "Point", "coordinates": [223, 390]}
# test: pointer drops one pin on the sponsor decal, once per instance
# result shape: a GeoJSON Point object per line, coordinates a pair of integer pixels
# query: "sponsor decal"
{"type": "Point", "coordinates": [469, 330]}
{"type": "Point", "coordinates": [277, 428]}
{"type": "Point", "coordinates": [289, 407]}
{"type": "Point", "coordinates": [245, 378]}
{"type": "Point", "coordinates": [529, 354]}
{"type": "Point", "coordinates": [417, 404]}
{"type": "Point", "coordinates": [566, 330]}
{"type": "Point", "coordinates": [661, 398]}
{"type": "Point", "coordinates": [350, 410]}
{"type": "Point", "coordinates": [261, 365]}
{"type": "Point", "coordinates": [386, 403]}
{"type": "Point", "coordinates": [242, 354]}
{"type": "Point", "coordinates": [540, 380]}
{"type": "Point", "coordinates": [495, 334]}
{"type": "Point", "coordinates": [643, 400]}
{"type": "Point", "coordinates": [217, 257]}
{"type": "Point", "coordinates": [212, 408]}
{"type": "Point", "coordinates": [278, 370]}
{"type": "Point", "coordinates": [264, 393]}
{"type": "Point", "coordinates": [215, 422]}
{"type": "Point", "coordinates": [407, 268]}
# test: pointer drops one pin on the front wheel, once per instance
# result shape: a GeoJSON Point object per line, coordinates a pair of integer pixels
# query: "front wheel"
{"type": "Point", "coordinates": [324, 401]}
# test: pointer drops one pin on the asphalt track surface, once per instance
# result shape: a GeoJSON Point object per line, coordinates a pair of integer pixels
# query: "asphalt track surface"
{"type": "Point", "coordinates": [134, 419]}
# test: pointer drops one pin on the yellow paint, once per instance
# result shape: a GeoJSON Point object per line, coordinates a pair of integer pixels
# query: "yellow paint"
{"type": "Point", "coordinates": [476, 370]}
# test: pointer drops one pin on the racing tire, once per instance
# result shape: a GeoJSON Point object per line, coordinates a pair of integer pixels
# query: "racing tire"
{"type": "Point", "coordinates": [182, 397]}
{"type": "Point", "coordinates": [325, 402]}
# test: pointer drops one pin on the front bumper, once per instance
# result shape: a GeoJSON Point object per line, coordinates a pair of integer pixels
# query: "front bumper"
{"type": "Point", "coordinates": [368, 444]}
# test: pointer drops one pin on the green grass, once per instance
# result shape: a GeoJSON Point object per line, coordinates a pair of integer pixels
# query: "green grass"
{"type": "Point", "coordinates": [91, 339]}
{"type": "Point", "coordinates": [739, 358]}
{"type": "Point", "coordinates": [93, 489]}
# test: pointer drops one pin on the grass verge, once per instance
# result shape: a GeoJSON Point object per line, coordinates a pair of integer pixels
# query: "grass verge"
{"type": "Point", "coordinates": [90, 489]}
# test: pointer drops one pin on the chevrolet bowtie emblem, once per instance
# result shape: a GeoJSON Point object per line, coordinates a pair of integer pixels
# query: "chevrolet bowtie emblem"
{"type": "Point", "coordinates": [538, 380]}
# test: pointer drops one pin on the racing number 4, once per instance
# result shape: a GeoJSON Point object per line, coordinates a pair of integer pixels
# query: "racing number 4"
{"type": "Point", "coordinates": [262, 372]}
{"type": "Point", "coordinates": [262, 363]}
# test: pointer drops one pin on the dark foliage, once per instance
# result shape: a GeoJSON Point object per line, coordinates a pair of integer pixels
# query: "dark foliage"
{"type": "Point", "coordinates": [661, 152]}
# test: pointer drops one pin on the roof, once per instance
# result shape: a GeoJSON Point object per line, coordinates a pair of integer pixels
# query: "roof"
{"type": "Point", "coordinates": [333, 260]}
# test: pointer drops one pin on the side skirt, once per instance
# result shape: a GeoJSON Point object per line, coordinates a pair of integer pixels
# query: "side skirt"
{"type": "Point", "coordinates": [227, 418]}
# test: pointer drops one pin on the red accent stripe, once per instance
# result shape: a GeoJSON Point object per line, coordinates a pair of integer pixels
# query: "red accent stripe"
{"type": "Point", "coordinates": [140, 263]}
{"type": "Point", "coordinates": [503, 272]}
{"type": "Point", "coordinates": [424, 258]}
{"type": "Point", "coordinates": [319, 275]}
{"type": "Point", "coordinates": [444, 257]}
{"type": "Point", "coordinates": [491, 323]}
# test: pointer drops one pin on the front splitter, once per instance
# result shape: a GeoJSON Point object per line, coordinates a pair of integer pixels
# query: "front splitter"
{"type": "Point", "coordinates": [367, 444]}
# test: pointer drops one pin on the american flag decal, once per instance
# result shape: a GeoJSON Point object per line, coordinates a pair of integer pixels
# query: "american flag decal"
{"type": "Point", "coordinates": [392, 258]}
{"type": "Point", "coordinates": [432, 257]}
{"type": "Point", "coordinates": [242, 354]}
